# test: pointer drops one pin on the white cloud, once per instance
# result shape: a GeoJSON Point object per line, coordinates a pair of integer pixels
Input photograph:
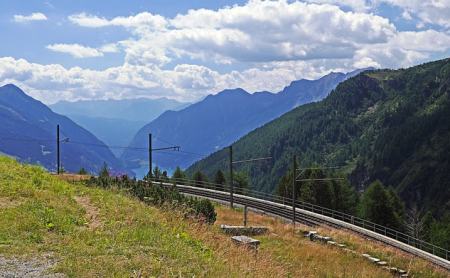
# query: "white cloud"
{"type": "Point", "coordinates": [109, 48]}
{"type": "Point", "coordinates": [32, 17]}
{"type": "Point", "coordinates": [142, 22]}
{"type": "Point", "coordinates": [262, 45]}
{"type": "Point", "coordinates": [76, 50]}
{"type": "Point", "coordinates": [356, 5]}
{"type": "Point", "coordinates": [260, 31]}
{"type": "Point", "coordinates": [406, 15]}
{"type": "Point", "coordinates": [428, 11]}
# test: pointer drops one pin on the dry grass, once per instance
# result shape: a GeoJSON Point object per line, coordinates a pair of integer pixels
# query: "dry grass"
{"type": "Point", "coordinates": [9, 202]}
{"type": "Point", "coordinates": [312, 259]}
{"type": "Point", "coordinates": [91, 211]}
{"type": "Point", "coordinates": [136, 240]}
{"type": "Point", "coordinates": [73, 177]}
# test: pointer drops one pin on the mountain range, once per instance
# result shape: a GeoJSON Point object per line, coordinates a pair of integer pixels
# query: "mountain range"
{"type": "Point", "coordinates": [387, 125]}
{"type": "Point", "coordinates": [28, 132]}
{"type": "Point", "coordinates": [220, 119]}
{"type": "Point", "coordinates": [115, 122]}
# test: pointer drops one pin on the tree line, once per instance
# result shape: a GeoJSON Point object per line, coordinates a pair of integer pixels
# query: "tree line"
{"type": "Point", "coordinates": [378, 203]}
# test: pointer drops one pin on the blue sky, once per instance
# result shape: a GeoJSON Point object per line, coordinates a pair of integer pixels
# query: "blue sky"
{"type": "Point", "coordinates": [27, 40]}
{"type": "Point", "coordinates": [70, 50]}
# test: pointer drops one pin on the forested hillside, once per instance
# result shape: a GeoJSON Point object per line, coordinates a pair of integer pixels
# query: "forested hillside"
{"type": "Point", "coordinates": [387, 125]}
{"type": "Point", "coordinates": [220, 119]}
{"type": "Point", "coordinates": [28, 132]}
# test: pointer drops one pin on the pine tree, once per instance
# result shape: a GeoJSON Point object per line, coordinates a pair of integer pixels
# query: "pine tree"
{"type": "Point", "coordinates": [285, 184]}
{"type": "Point", "coordinates": [219, 180]}
{"type": "Point", "coordinates": [199, 179]}
{"type": "Point", "coordinates": [377, 205]}
{"type": "Point", "coordinates": [157, 174]}
{"type": "Point", "coordinates": [178, 174]}
{"type": "Point", "coordinates": [82, 171]}
{"type": "Point", "coordinates": [104, 172]}
{"type": "Point", "coordinates": [345, 197]}
{"type": "Point", "coordinates": [164, 176]}
{"type": "Point", "coordinates": [440, 231]}
{"type": "Point", "coordinates": [241, 182]}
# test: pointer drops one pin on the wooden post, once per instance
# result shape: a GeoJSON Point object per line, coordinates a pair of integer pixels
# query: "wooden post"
{"type": "Point", "coordinates": [231, 176]}
{"type": "Point", "coordinates": [150, 155]}
{"type": "Point", "coordinates": [293, 190]}
{"type": "Point", "coordinates": [58, 157]}
{"type": "Point", "coordinates": [245, 215]}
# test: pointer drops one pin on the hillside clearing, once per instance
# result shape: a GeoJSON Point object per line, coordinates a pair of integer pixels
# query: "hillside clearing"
{"type": "Point", "coordinates": [132, 239]}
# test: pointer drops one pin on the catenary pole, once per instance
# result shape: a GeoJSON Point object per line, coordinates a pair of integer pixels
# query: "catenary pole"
{"type": "Point", "coordinates": [149, 155]}
{"type": "Point", "coordinates": [293, 190]}
{"type": "Point", "coordinates": [58, 157]}
{"type": "Point", "coordinates": [231, 176]}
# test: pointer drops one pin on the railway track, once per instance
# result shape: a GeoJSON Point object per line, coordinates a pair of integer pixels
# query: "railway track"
{"type": "Point", "coordinates": [309, 218]}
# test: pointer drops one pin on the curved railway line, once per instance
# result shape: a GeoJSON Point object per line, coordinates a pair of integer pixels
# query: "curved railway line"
{"type": "Point", "coordinates": [308, 215]}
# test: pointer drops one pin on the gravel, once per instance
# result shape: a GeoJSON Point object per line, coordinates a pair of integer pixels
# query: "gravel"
{"type": "Point", "coordinates": [19, 267]}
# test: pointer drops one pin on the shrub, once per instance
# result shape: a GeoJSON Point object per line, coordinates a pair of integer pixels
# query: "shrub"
{"type": "Point", "coordinates": [158, 194]}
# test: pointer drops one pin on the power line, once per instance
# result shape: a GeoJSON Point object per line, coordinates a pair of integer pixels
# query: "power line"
{"type": "Point", "coordinates": [320, 168]}
{"type": "Point", "coordinates": [199, 154]}
{"type": "Point", "coordinates": [251, 160]}
{"type": "Point", "coordinates": [108, 146]}
{"type": "Point", "coordinates": [321, 179]}
{"type": "Point", "coordinates": [164, 141]}
{"type": "Point", "coordinates": [31, 139]}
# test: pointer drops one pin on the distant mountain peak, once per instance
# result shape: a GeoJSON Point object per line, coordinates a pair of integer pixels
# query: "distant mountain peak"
{"type": "Point", "coordinates": [14, 96]}
{"type": "Point", "coordinates": [10, 85]}
{"type": "Point", "coordinates": [233, 91]}
{"type": "Point", "coordinates": [11, 88]}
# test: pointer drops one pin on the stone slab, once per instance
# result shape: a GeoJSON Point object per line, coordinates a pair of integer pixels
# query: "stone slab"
{"type": "Point", "coordinates": [244, 230]}
{"type": "Point", "coordinates": [245, 240]}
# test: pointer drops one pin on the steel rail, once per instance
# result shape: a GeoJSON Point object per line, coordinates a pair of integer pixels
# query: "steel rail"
{"type": "Point", "coordinates": [308, 217]}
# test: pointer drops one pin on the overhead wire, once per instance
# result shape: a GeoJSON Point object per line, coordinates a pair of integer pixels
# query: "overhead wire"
{"type": "Point", "coordinates": [144, 149]}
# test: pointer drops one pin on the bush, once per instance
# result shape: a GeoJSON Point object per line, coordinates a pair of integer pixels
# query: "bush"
{"type": "Point", "coordinates": [159, 195]}
{"type": "Point", "coordinates": [206, 209]}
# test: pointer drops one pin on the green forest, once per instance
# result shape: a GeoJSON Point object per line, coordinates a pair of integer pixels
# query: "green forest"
{"type": "Point", "coordinates": [388, 131]}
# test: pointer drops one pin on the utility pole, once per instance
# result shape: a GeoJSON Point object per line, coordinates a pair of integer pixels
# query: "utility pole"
{"type": "Point", "coordinates": [294, 170]}
{"type": "Point", "coordinates": [149, 155]}
{"type": "Point", "coordinates": [58, 159]}
{"type": "Point", "coordinates": [151, 150]}
{"type": "Point", "coordinates": [245, 215]}
{"type": "Point", "coordinates": [231, 176]}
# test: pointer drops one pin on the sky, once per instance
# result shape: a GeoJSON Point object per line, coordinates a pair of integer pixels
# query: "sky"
{"type": "Point", "coordinates": [184, 50]}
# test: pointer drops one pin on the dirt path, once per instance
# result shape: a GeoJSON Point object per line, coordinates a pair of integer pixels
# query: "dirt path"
{"type": "Point", "coordinates": [9, 203]}
{"type": "Point", "coordinates": [92, 212]}
{"type": "Point", "coordinates": [15, 267]}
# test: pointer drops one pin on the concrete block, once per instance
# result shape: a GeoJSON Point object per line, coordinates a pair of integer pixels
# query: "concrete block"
{"type": "Point", "coordinates": [245, 240]}
{"type": "Point", "coordinates": [393, 269]}
{"type": "Point", "coordinates": [243, 230]}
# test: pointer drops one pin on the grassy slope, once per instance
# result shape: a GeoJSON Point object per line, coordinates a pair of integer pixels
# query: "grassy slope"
{"type": "Point", "coordinates": [39, 215]}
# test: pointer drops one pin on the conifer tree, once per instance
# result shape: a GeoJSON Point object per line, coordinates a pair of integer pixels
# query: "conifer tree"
{"type": "Point", "coordinates": [199, 179]}
{"type": "Point", "coordinates": [178, 174]}
{"type": "Point", "coordinates": [377, 205]}
{"type": "Point", "coordinates": [219, 180]}
{"type": "Point", "coordinates": [241, 181]}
